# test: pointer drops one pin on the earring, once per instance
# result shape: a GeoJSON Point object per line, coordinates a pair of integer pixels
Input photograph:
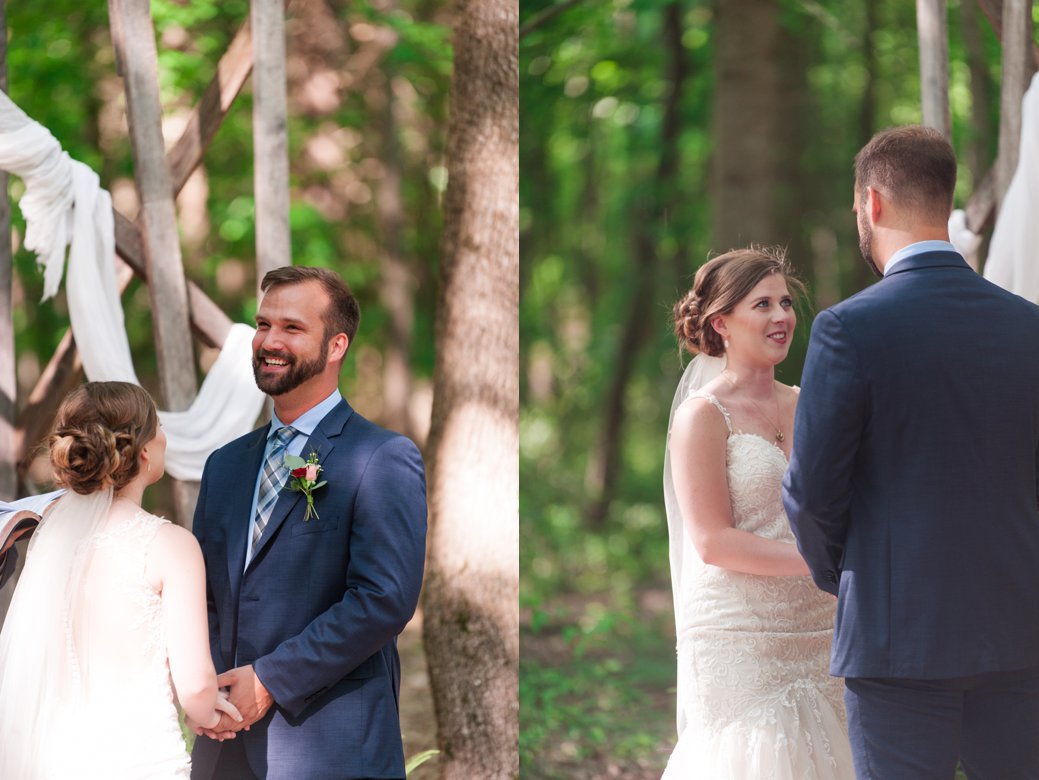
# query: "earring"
{"type": "Point", "coordinates": [726, 343]}
{"type": "Point", "coordinates": [149, 466]}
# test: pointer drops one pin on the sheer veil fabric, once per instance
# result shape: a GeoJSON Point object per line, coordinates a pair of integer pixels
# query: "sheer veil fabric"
{"type": "Point", "coordinates": [701, 370]}
{"type": "Point", "coordinates": [40, 672]}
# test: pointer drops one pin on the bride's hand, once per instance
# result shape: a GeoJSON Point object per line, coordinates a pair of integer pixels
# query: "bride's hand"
{"type": "Point", "coordinates": [223, 704]}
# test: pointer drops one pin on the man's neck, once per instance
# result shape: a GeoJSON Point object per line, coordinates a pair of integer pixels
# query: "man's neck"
{"type": "Point", "coordinates": [896, 241]}
{"type": "Point", "coordinates": [294, 404]}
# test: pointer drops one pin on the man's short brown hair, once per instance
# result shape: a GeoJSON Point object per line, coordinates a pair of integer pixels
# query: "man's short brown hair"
{"type": "Point", "coordinates": [342, 315]}
{"type": "Point", "coordinates": [913, 166]}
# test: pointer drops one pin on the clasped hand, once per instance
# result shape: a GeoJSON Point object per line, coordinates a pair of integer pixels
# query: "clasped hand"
{"type": "Point", "coordinates": [245, 702]}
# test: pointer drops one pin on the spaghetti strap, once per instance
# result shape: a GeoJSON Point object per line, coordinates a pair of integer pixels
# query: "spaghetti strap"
{"type": "Point", "coordinates": [718, 405]}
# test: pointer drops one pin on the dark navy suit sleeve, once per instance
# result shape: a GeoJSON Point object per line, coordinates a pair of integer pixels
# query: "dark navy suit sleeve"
{"type": "Point", "coordinates": [198, 528]}
{"type": "Point", "coordinates": [831, 413]}
{"type": "Point", "coordinates": [387, 555]}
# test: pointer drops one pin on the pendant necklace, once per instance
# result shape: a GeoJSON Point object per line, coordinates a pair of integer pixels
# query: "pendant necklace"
{"type": "Point", "coordinates": [779, 431]}
{"type": "Point", "coordinates": [780, 436]}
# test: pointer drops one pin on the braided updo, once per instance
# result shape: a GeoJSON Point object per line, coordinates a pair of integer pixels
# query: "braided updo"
{"type": "Point", "coordinates": [98, 436]}
{"type": "Point", "coordinates": [718, 286]}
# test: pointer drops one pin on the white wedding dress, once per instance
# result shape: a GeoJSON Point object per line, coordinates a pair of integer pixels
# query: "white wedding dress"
{"type": "Point", "coordinates": [85, 689]}
{"type": "Point", "coordinates": [755, 699]}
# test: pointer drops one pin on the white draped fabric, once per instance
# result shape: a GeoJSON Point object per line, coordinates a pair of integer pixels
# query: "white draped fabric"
{"type": "Point", "coordinates": [1012, 260]}
{"type": "Point", "coordinates": [64, 205]}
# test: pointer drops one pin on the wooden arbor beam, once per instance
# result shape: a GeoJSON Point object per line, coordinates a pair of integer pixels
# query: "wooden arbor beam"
{"type": "Point", "coordinates": [270, 138]}
{"type": "Point", "coordinates": [932, 31]}
{"type": "Point", "coordinates": [208, 321]}
{"type": "Point", "coordinates": [133, 35]}
{"type": "Point", "coordinates": [981, 206]}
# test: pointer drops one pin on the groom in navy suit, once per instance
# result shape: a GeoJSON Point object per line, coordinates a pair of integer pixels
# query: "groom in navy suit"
{"type": "Point", "coordinates": [912, 488]}
{"type": "Point", "coordinates": [305, 608]}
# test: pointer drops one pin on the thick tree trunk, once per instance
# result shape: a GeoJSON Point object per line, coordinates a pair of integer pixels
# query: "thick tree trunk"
{"type": "Point", "coordinates": [605, 461]}
{"type": "Point", "coordinates": [471, 620]}
{"type": "Point", "coordinates": [746, 118]}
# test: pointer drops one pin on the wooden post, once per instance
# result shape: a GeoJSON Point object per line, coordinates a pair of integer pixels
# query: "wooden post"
{"type": "Point", "coordinates": [1017, 70]}
{"type": "Point", "coordinates": [932, 33]}
{"type": "Point", "coordinates": [8, 364]}
{"type": "Point", "coordinates": [133, 36]}
{"type": "Point", "coordinates": [208, 321]}
{"type": "Point", "coordinates": [270, 137]}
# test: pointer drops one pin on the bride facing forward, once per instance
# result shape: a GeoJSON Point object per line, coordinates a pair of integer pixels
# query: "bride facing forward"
{"type": "Point", "coordinates": [108, 623]}
{"type": "Point", "coordinates": [755, 701]}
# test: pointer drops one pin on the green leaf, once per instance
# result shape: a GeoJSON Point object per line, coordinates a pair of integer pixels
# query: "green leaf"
{"type": "Point", "coordinates": [322, 483]}
{"type": "Point", "coordinates": [294, 462]}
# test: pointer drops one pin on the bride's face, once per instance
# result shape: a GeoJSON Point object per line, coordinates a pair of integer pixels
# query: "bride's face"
{"type": "Point", "coordinates": [760, 327]}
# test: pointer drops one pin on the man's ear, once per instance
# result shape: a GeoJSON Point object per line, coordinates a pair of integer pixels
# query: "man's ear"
{"type": "Point", "coordinates": [338, 346]}
{"type": "Point", "coordinates": [874, 203]}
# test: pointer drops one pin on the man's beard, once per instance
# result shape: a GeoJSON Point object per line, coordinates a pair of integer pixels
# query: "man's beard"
{"type": "Point", "coordinates": [296, 373]}
{"type": "Point", "coordinates": [866, 242]}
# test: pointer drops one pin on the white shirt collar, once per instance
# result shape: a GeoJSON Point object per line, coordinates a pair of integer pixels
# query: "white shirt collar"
{"type": "Point", "coordinates": [917, 249]}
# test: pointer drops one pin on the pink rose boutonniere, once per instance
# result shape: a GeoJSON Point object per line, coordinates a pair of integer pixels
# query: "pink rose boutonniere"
{"type": "Point", "coordinates": [303, 475]}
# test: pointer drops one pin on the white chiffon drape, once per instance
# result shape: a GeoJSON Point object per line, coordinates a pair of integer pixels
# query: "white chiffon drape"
{"type": "Point", "coordinates": [65, 207]}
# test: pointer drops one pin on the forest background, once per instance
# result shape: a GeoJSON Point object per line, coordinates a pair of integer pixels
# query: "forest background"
{"type": "Point", "coordinates": [656, 134]}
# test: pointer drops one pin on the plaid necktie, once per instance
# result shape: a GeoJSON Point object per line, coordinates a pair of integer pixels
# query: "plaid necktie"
{"type": "Point", "coordinates": [273, 479]}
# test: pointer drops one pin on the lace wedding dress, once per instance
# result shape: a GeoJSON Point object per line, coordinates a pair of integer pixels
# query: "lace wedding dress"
{"type": "Point", "coordinates": [755, 699]}
{"type": "Point", "coordinates": [85, 689]}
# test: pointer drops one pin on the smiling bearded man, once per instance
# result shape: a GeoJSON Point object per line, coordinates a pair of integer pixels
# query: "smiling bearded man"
{"type": "Point", "coordinates": [307, 595]}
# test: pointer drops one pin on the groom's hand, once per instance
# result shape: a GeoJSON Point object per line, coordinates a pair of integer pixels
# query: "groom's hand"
{"type": "Point", "coordinates": [247, 693]}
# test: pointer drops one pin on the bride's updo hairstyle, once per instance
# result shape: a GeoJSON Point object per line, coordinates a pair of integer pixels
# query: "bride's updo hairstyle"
{"type": "Point", "coordinates": [718, 286]}
{"type": "Point", "coordinates": [98, 436]}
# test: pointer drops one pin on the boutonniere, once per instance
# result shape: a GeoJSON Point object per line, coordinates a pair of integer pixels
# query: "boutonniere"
{"type": "Point", "coordinates": [303, 476]}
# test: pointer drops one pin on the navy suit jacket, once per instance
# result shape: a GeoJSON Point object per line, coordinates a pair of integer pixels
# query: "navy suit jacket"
{"type": "Point", "coordinates": [914, 481]}
{"type": "Point", "coordinates": [319, 607]}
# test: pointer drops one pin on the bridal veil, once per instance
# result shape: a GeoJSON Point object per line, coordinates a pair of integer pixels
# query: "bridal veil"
{"type": "Point", "coordinates": [40, 671]}
{"type": "Point", "coordinates": [701, 370]}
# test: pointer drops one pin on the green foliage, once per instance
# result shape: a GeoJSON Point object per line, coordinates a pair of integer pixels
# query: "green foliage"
{"type": "Point", "coordinates": [390, 116]}
{"type": "Point", "coordinates": [593, 687]}
{"type": "Point", "coordinates": [594, 84]}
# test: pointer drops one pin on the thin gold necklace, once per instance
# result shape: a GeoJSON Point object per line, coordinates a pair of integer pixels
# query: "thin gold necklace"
{"type": "Point", "coordinates": [780, 436]}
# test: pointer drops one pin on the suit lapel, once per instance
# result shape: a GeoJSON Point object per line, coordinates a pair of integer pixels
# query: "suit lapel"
{"type": "Point", "coordinates": [240, 522]}
{"type": "Point", "coordinates": [321, 441]}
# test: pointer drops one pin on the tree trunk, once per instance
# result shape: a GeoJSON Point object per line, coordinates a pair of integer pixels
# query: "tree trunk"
{"type": "Point", "coordinates": [397, 283]}
{"type": "Point", "coordinates": [979, 143]}
{"type": "Point", "coordinates": [746, 111]}
{"type": "Point", "coordinates": [604, 463]}
{"type": "Point", "coordinates": [796, 192]}
{"type": "Point", "coordinates": [861, 274]}
{"type": "Point", "coordinates": [471, 619]}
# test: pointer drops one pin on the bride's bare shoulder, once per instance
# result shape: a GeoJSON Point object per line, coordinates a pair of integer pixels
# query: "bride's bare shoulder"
{"type": "Point", "coordinates": [174, 542]}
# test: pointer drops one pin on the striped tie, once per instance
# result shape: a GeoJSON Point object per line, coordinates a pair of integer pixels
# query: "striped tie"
{"type": "Point", "coordinates": [273, 479]}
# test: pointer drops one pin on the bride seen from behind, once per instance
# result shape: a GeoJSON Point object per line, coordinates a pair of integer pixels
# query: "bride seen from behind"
{"type": "Point", "coordinates": [755, 700]}
{"type": "Point", "coordinates": [108, 623]}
